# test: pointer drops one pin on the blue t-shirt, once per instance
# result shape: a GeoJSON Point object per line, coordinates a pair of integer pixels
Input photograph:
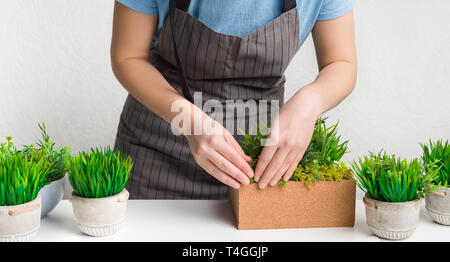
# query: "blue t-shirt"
{"type": "Point", "coordinates": [238, 17]}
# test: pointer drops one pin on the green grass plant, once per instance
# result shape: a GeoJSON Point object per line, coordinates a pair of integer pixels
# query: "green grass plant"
{"type": "Point", "coordinates": [436, 156]}
{"type": "Point", "coordinates": [391, 179]}
{"type": "Point", "coordinates": [21, 176]}
{"type": "Point", "coordinates": [101, 172]}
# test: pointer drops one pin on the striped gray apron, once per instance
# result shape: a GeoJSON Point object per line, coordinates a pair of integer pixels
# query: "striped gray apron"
{"type": "Point", "coordinates": [221, 67]}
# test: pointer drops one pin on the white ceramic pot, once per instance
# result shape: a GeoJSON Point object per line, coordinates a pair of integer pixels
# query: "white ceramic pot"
{"type": "Point", "coordinates": [51, 195]}
{"type": "Point", "coordinates": [392, 220]}
{"type": "Point", "coordinates": [21, 222]}
{"type": "Point", "coordinates": [100, 216]}
{"type": "Point", "coordinates": [437, 204]}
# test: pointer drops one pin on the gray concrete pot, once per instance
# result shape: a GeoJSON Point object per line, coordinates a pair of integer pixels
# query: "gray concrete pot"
{"type": "Point", "coordinates": [100, 216]}
{"type": "Point", "coordinates": [21, 222]}
{"type": "Point", "coordinates": [51, 195]}
{"type": "Point", "coordinates": [394, 221]}
{"type": "Point", "coordinates": [437, 204]}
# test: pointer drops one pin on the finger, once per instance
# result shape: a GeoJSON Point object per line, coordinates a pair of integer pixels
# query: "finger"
{"type": "Point", "coordinates": [231, 141]}
{"type": "Point", "coordinates": [275, 164]}
{"type": "Point", "coordinates": [231, 155]}
{"type": "Point", "coordinates": [288, 174]}
{"type": "Point", "coordinates": [228, 168]}
{"type": "Point", "coordinates": [214, 171]}
{"type": "Point", "coordinates": [286, 165]}
{"type": "Point", "coordinates": [263, 160]}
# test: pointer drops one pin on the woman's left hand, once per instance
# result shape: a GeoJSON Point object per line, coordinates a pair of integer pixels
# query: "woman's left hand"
{"type": "Point", "coordinates": [288, 139]}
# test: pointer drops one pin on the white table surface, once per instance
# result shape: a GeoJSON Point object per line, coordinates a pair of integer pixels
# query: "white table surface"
{"type": "Point", "coordinates": [210, 220]}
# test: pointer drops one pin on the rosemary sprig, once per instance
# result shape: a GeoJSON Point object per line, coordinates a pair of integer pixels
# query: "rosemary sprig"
{"type": "Point", "coordinates": [47, 150]}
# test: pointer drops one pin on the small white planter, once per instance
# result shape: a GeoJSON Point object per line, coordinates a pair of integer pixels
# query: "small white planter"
{"type": "Point", "coordinates": [389, 220]}
{"type": "Point", "coordinates": [21, 222]}
{"type": "Point", "coordinates": [437, 204]}
{"type": "Point", "coordinates": [100, 216]}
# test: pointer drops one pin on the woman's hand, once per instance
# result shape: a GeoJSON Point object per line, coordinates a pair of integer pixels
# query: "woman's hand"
{"type": "Point", "coordinates": [216, 151]}
{"type": "Point", "coordinates": [288, 139]}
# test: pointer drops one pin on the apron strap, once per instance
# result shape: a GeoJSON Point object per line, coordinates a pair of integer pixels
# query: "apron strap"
{"type": "Point", "coordinates": [288, 5]}
{"type": "Point", "coordinates": [184, 84]}
{"type": "Point", "coordinates": [184, 5]}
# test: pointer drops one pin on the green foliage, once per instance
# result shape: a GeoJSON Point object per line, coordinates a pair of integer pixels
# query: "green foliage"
{"type": "Point", "coordinates": [47, 151]}
{"type": "Point", "coordinates": [321, 161]}
{"type": "Point", "coordinates": [436, 156]}
{"type": "Point", "coordinates": [98, 173]}
{"type": "Point", "coordinates": [325, 146]}
{"type": "Point", "coordinates": [252, 145]}
{"type": "Point", "coordinates": [21, 177]}
{"type": "Point", "coordinates": [282, 183]}
{"type": "Point", "coordinates": [314, 172]}
{"type": "Point", "coordinates": [387, 178]}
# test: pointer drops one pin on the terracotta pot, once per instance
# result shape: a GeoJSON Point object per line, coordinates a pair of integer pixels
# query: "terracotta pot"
{"type": "Point", "coordinates": [392, 220]}
{"type": "Point", "coordinates": [51, 195]}
{"type": "Point", "coordinates": [20, 222]}
{"type": "Point", "coordinates": [100, 216]}
{"type": "Point", "coordinates": [437, 204]}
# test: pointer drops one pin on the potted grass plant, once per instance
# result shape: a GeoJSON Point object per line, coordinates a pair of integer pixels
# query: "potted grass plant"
{"type": "Point", "coordinates": [99, 197]}
{"type": "Point", "coordinates": [320, 193]}
{"type": "Point", "coordinates": [45, 149]}
{"type": "Point", "coordinates": [21, 179]}
{"type": "Point", "coordinates": [436, 158]}
{"type": "Point", "coordinates": [394, 190]}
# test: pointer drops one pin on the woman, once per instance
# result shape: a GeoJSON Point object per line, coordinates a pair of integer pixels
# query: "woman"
{"type": "Point", "coordinates": [222, 50]}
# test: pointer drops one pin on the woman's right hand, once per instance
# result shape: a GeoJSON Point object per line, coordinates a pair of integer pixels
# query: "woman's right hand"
{"type": "Point", "coordinates": [216, 151]}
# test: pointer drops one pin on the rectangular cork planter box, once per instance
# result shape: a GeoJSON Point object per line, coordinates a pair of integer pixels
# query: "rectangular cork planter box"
{"type": "Point", "coordinates": [326, 204]}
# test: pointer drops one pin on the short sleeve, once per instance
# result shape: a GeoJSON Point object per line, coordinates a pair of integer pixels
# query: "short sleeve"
{"type": "Point", "coordinates": [331, 9]}
{"type": "Point", "coordinates": [148, 7]}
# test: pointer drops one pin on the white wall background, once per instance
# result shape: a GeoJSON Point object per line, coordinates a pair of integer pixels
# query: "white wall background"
{"type": "Point", "coordinates": [54, 67]}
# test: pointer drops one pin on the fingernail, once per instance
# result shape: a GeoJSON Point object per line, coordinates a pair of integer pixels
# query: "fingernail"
{"type": "Point", "coordinates": [237, 186]}
{"type": "Point", "coordinates": [273, 183]}
{"type": "Point", "coordinates": [261, 186]}
{"type": "Point", "coordinates": [247, 181]}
